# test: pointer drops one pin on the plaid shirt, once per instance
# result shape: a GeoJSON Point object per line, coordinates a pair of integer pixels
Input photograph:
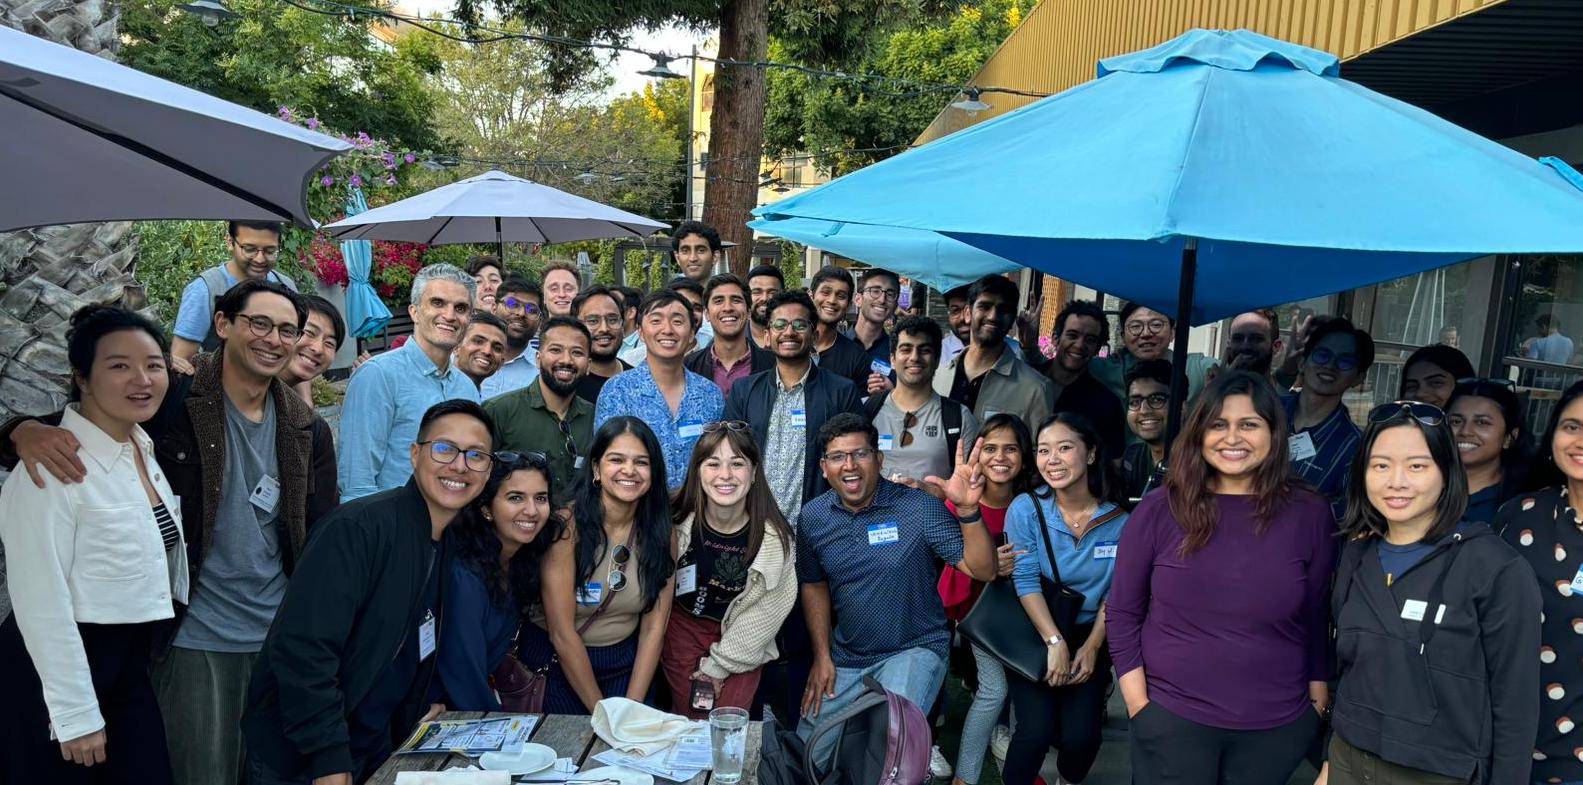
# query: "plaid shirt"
{"type": "Point", "coordinates": [1336, 441]}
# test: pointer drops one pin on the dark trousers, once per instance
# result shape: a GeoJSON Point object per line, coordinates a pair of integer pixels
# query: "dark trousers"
{"type": "Point", "coordinates": [784, 680]}
{"type": "Point", "coordinates": [612, 669]}
{"type": "Point", "coordinates": [1352, 766]}
{"type": "Point", "coordinates": [1070, 719]}
{"type": "Point", "coordinates": [1170, 750]}
{"type": "Point", "coordinates": [135, 749]}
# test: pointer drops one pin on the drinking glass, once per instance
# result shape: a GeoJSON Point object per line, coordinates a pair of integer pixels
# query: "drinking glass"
{"type": "Point", "coordinates": [728, 737]}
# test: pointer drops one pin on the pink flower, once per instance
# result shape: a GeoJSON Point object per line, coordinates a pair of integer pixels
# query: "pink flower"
{"type": "Point", "coordinates": [285, 113]}
{"type": "Point", "coordinates": [411, 158]}
{"type": "Point", "coordinates": [390, 179]}
{"type": "Point", "coordinates": [313, 123]}
{"type": "Point", "coordinates": [327, 180]}
{"type": "Point", "coordinates": [355, 181]}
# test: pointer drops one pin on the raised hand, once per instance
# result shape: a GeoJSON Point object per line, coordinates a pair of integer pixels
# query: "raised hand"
{"type": "Point", "coordinates": [965, 487]}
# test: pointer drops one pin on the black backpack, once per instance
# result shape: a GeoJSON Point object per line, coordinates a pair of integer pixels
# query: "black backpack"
{"type": "Point", "coordinates": [950, 417]}
{"type": "Point", "coordinates": [880, 738]}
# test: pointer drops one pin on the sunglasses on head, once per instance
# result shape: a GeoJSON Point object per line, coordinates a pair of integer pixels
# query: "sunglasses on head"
{"type": "Point", "coordinates": [1428, 414]}
{"type": "Point", "coordinates": [509, 460]}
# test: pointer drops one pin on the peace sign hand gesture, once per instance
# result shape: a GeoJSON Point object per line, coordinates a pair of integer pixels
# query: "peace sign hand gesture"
{"type": "Point", "coordinates": [965, 487]}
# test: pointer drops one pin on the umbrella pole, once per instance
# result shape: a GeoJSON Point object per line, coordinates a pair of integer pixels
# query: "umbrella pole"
{"type": "Point", "coordinates": [1184, 324]}
{"type": "Point", "coordinates": [501, 243]}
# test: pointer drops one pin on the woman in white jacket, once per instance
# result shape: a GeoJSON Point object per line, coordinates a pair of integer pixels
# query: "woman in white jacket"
{"type": "Point", "coordinates": [90, 567]}
{"type": "Point", "coordinates": [736, 575]}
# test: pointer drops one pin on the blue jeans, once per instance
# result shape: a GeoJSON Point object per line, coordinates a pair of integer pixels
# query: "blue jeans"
{"type": "Point", "coordinates": [914, 674]}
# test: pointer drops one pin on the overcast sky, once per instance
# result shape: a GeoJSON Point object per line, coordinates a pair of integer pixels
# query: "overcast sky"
{"type": "Point", "coordinates": [626, 67]}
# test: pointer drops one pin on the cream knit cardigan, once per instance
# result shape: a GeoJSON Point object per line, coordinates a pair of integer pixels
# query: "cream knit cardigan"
{"type": "Point", "coordinates": [747, 635]}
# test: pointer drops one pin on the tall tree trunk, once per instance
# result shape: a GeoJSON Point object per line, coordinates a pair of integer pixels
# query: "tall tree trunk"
{"type": "Point", "coordinates": [49, 272]}
{"type": "Point", "coordinates": [736, 127]}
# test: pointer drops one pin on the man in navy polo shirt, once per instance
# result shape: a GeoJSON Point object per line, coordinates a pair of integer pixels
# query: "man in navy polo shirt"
{"type": "Point", "coordinates": [865, 557]}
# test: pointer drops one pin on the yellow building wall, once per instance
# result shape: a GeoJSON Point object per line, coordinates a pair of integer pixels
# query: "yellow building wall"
{"type": "Point", "coordinates": [1060, 41]}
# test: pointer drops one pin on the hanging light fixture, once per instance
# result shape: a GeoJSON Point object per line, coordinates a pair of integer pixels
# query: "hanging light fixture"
{"type": "Point", "coordinates": [970, 104]}
{"type": "Point", "coordinates": [587, 177]}
{"type": "Point", "coordinates": [780, 186]}
{"type": "Point", "coordinates": [661, 68]}
{"type": "Point", "coordinates": [212, 12]}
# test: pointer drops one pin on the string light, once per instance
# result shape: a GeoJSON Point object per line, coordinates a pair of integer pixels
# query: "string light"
{"type": "Point", "coordinates": [210, 12]}
{"type": "Point", "coordinates": [971, 104]}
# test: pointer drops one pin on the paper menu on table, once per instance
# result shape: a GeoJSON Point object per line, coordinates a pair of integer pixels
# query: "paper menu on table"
{"type": "Point", "coordinates": [692, 750]}
{"type": "Point", "coordinates": [472, 737]}
{"type": "Point", "coordinates": [679, 762]}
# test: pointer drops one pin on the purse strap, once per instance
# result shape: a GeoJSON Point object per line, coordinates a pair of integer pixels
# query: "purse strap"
{"type": "Point", "coordinates": [604, 602]}
{"type": "Point", "coordinates": [1044, 530]}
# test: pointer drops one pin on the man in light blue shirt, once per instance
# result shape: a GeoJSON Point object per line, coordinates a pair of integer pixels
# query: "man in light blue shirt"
{"type": "Point", "coordinates": [254, 247]}
{"type": "Point", "coordinates": [1551, 345]}
{"type": "Point", "coordinates": [389, 394]}
{"type": "Point", "coordinates": [674, 401]}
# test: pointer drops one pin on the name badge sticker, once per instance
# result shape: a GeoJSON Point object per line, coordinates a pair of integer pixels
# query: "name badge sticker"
{"type": "Point", "coordinates": [1302, 447]}
{"type": "Point", "coordinates": [267, 494]}
{"type": "Point", "coordinates": [880, 367]}
{"type": "Point", "coordinates": [426, 638]}
{"type": "Point", "coordinates": [887, 442]}
{"type": "Point", "coordinates": [591, 594]}
{"type": "Point", "coordinates": [1577, 582]}
{"type": "Point", "coordinates": [687, 580]}
{"type": "Point", "coordinates": [689, 429]}
{"type": "Point", "coordinates": [1413, 610]}
{"type": "Point", "coordinates": [577, 463]}
{"type": "Point", "coordinates": [799, 418]}
{"type": "Point", "coordinates": [1105, 549]}
{"type": "Point", "coordinates": [883, 533]}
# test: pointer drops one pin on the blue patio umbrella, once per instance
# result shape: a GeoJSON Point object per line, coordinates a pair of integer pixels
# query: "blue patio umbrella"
{"type": "Point", "coordinates": [937, 260]}
{"type": "Point", "coordinates": [366, 314]}
{"type": "Point", "coordinates": [1214, 173]}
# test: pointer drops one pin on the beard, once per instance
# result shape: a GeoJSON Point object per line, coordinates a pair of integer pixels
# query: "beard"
{"type": "Point", "coordinates": [760, 315]}
{"type": "Point", "coordinates": [554, 385]}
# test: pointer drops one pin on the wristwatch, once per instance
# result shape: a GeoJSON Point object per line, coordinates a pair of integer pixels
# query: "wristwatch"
{"type": "Point", "coordinates": [1053, 640]}
{"type": "Point", "coordinates": [978, 515]}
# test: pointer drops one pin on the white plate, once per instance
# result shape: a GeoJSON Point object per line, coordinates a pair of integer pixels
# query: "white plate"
{"type": "Point", "coordinates": [620, 774]}
{"type": "Point", "coordinates": [531, 758]}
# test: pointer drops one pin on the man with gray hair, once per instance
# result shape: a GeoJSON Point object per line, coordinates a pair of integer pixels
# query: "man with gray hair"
{"type": "Point", "coordinates": [389, 393]}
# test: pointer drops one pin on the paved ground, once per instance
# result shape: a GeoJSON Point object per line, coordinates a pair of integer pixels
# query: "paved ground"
{"type": "Point", "coordinates": [1112, 768]}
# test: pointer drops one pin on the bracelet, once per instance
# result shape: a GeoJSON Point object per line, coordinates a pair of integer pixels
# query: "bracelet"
{"type": "Point", "coordinates": [978, 515]}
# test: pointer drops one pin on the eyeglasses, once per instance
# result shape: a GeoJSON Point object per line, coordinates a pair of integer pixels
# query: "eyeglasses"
{"type": "Point", "coordinates": [444, 453]}
{"type": "Point", "coordinates": [906, 428]}
{"type": "Point", "coordinates": [250, 251]}
{"type": "Point", "coordinates": [1151, 326]}
{"type": "Point", "coordinates": [859, 455]}
{"type": "Point", "coordinates": [508, 459]}
{"type": "Point", "coordinates": [796, 325]}
{"type": "Point", "coordinates": [513, 304]}
{"type": "Point", "coordinates": [618, 574]}
{"type": "Point", "coordinates": [262, 326]}
{"type": "Point", "coordinates": [1341, 362]}
{"type": "Point", "coordinates": [1428, 414]}
{"type": "Point", "coordinates": [729, 425]}
{"type": "Point", "coordinates": [609, 320]}
{"type": "Point", "coordinates": [1153, 400]}
{"type": "Point", "coordinates": [877, 292]}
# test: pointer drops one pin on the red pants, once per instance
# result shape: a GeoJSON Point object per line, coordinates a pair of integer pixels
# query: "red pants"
{"type": "Point", "coordinates": [687, 641]}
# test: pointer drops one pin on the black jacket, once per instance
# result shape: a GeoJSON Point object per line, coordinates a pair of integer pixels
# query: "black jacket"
{"type": "Point", "coordinates": [355, 597]}
{"type": "Point", "coordinates": [824, 396]}
{"type": "Point", "coordinates": [1092, 399]}
{"type": "Point", "coordinates": [1459, 698]}
{"type": "Point", "coordinates": [189, 439]}
{"type": "Point", "coordinates": [702, 362]}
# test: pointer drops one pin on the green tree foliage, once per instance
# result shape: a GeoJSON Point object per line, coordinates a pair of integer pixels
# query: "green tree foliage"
{"type": "Point", "coordinates": [806, 113]}
{"type": "Point", "coordinates": [276, 55]}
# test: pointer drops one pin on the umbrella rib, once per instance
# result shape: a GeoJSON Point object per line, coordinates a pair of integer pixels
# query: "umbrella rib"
{"type": "Point", "coordinates": [436, 234]}
{"type": "Point", "coordinates": [152, 154]}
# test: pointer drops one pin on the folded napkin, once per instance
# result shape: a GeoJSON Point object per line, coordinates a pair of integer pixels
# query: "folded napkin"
{"type": "Point", "coordinates": [636, 729]}
{"type": "Point", "coordinates": [457, 776]}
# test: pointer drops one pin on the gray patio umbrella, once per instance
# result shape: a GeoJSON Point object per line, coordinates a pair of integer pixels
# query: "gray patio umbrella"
{"type": "Point", "coordinates": [493, 207]}
{"type": "Point", "coordinates": [84, 139]}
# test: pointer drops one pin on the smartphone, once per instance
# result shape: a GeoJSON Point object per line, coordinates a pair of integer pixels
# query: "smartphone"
{"type": "Point", "coordinates": [703, 695]}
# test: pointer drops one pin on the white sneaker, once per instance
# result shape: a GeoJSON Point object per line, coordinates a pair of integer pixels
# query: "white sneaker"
{"type": "Point", "coordinates": [999, 742]}
{"type": "Point", "coordinates": [939, 767]}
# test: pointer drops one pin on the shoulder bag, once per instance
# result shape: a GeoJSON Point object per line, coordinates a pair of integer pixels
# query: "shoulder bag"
{"type": "Point", "coordinates": [999, 625]}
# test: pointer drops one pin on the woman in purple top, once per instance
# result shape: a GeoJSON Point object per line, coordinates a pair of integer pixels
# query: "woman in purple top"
{"type": "Point", "coordinates": [1218, 617]}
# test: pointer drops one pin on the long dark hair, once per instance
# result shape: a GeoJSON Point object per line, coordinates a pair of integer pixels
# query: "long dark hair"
{"type": "Point", "coordinates": [1187, 481]}
{"type": "Point", "coordinates": [1027, 479]}
{"type": "Point", "coordinates": [1363, 519]}
{"type": "Point", "coordinates": [1097, 473]}
{"type": "Point", "coordinates": [1545, 473]}
{"type": "Point", "coordinates": [762, 510]}
{"type": "Point", "coordinates": [478, 544]}
{"type": "Point", "coordinates": [651, 519]}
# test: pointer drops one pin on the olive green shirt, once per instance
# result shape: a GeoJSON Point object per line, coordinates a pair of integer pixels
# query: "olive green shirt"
{"type": "Point", "coordinates": [523, 423]}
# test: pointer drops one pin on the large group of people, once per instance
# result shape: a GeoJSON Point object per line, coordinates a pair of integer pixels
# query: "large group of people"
{"type": "Point", "coordinates": [714, 495]}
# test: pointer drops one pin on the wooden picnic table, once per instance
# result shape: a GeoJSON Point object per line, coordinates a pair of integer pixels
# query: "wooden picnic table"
{"type": "Point", "coordinates": [571, 736]}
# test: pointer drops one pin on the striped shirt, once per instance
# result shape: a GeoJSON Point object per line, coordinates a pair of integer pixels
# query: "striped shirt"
{"type": "Point", "coordinates": [1335, 441]}
{"type": "Point", "coordinates": [167, 527]}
